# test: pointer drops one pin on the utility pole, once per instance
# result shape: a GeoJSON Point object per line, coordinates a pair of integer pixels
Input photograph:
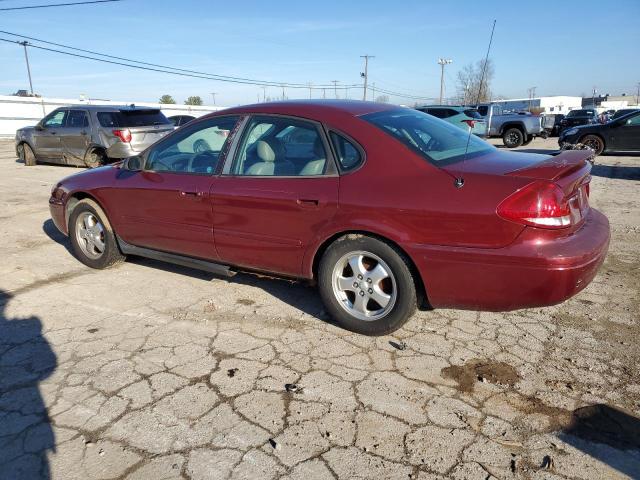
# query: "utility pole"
{"type": "Point", "coordinates": [442, 62]}
{"type": "Point", "coordinates": [282, 92]}
{"type": "Point", "coordinates": [593, 97]}
{"type": "Point", "coordinates": [373, 91]}
{"type": "Point", "coordinates": [365, 74]}
{"type": "Point", "coordinates": [310, 85]}
{"type": "Point", "coordinates": [532, 95]}
{"type": "Point", "coordinates": [335, 87]}
{"type": "Point", "coordinates": [26, 57]}
{"type": "Point", "coordinates": [213, 94]}
{"type": "Point", "coordinates": [264, 94]}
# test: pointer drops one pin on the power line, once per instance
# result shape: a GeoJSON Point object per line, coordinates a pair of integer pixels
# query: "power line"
{"type": "Point", "coordinates": [57, 5]}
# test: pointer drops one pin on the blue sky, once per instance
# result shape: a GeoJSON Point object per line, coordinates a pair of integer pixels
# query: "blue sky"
{"type": "Point", "coordinates": [561, 47]}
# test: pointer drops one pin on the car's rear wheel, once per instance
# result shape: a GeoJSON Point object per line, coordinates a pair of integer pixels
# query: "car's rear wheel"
{"type": "Point", "coordinates": [512, 137]}
{"type": "Point", "coordinates": [26, 155]}
{"type": "Point", "coordinates": [528, 140]}
{"type": "Point", "coordinates": [594, 142]}
{"type": "Point", "coordinates": [95, 158]}
{"type": "Point", "coordinates": [366, 285]}
{"type": "Point", "coordinates": [92, 237]}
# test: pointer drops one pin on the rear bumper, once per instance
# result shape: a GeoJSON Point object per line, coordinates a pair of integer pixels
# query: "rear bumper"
{"type": "Point", "coordinates": [122, 150]}
{"type": "Point", "coordinates": [538, 269]}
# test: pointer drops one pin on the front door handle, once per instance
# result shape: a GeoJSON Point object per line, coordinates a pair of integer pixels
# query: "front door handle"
{"type": "Point", "coordinates": [309, 203]}
{"type": "Point", "coordinates": [191, 195]}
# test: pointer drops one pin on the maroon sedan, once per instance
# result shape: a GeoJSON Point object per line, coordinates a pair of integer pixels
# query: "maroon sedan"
{"type": "Point", "coordinates": [383, 207]}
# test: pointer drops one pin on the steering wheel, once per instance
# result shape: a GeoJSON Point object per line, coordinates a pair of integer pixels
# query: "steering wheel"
{"type": "Point", "coordinates": [202, 155]}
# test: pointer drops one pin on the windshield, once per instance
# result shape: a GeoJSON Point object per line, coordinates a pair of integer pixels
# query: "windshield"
{"type": "Point", "coordinates": [579, 113]}
{"type": "Point", "coordinates": [436, 140]}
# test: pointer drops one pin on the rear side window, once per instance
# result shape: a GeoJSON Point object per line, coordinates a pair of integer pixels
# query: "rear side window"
{"type": "Point", "coordinates": [474, 113]}
{"type": "Point", "coordinates": [349, 157]}
{"type": "Point", "coordinates": [132, 118]}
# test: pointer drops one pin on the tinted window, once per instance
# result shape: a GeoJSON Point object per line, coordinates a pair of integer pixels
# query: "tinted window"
{"type": "Point", "coordinates": [108, 119]}
{"type": "Point", "coordinates": [140, 118]}
{"type": "Point", "coordinates": [77, 119]}
{"type": "Point", "coordinates": [634, 120]}
{"type": "Point", "coordinates": [56, 119]}
{"type": "Point", "coordinates": [436, 141]}
{"type": "Point", "coordinates": [348, 155]}
{"type": "Point", "coordinates": [280, 147]}
{"type": "Point", "coordinates": [474, 113]}
{"type": "Point", "coordinates": [483, 110]}
{"type": "Point", "coordinates": [193, 149]}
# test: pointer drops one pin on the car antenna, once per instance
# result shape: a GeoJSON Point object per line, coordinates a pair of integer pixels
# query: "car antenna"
{"type": "Point", "coordinates": [459, 181]}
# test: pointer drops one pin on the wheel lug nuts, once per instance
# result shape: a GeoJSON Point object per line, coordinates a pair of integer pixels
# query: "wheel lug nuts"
{"type": "Point", "coordinates": [368, 280]}
{"type": "Point", "coordinates": [359, 277]}
{"type": "Point", "coordinates": [355, 284]}
{"type": "Point", "coordinates": [361, 293]}
{"type": "Point", "coordinates": [371, 290]}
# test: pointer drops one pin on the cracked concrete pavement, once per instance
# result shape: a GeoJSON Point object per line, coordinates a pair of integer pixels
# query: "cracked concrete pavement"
{"type": "Point", "coordinates": [151, 371]}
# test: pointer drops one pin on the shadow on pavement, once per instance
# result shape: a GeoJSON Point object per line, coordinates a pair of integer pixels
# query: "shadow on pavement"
{"type": "Point", "coordinates": [608, 434]}
{"type": "Point", "coordinates": [26, 434]}
{"type": "Point", "coordinates": [620, 172]}
{"type": "Point", "coordinates": [54, 234]}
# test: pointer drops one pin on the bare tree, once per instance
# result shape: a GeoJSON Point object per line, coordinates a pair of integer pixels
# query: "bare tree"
{"type": "Point", "coordinates": [469, 90]}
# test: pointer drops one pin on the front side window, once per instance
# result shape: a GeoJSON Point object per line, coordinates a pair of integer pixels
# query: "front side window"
{"type": "Point", "coordinates": [634, 121]}
{"type": "Point", "coordinates": [193, 149]}
{"type": "Point", "coordinates": [56, 119]}
{"type": "Point", "coordinates": [438, 142]}
{"type": "Point", "coordinates": [274, 146]}
{"type": "Point", "coordinates": [77, 119]}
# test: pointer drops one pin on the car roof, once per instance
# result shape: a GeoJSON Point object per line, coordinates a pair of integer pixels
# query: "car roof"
{"type": "Point", "coordinates": [110, 108]}
{"type": "Point", "coordinates": [312, 109]}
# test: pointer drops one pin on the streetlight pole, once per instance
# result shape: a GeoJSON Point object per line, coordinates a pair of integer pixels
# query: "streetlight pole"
{"type": "Point", "coordinates": [366, 73]}
{"type": "Point", "coordinates": [593, 97]}
{"type": "Point", "coordinates": [335, 87]}
{"type": "Point", "coordinates": [442, 62]}
{"type": "Point", "coordinates": [26, 57]}
{"type": "Point", "coordinates": [310, 87]}
{"type": "Point", "coordinates": [213, 94]}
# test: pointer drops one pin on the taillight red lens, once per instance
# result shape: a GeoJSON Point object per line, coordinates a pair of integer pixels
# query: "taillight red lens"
{"type": "Point", "coordinates": [540, 204]}
{"type": "Point", "coordinates": [123, 134]}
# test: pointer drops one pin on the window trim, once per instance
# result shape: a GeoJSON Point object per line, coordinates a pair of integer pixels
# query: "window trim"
{"type": "Point", "coordinates": [194, 123]}
{"type": "Point", "coordinates": [86, 112]}
{"type": "Point", "coordinates": [330, 171]}
{"type": "Point", "coordinates": [355, 143]}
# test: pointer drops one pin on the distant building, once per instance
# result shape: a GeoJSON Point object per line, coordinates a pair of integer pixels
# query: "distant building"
{"type": "Point", "coordinates": [555, 104]}
{"type": "Point", "coordinates": [611, 102]}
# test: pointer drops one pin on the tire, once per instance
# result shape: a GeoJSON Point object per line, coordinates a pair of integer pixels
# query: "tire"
{"type": "Point", "coordinates": [94, 158]}
{"type": "Point", "coordinates": [86, 242]}
{"type": "Point", "coordinates": [528, 140]}
{"type": "Point", "coordinates": [367, 254]}
{"type": "Point", "coordinates": [512, 137]}
{"type": "Point", "coordinates": [28, 156]}
{"type": "Point", "coordinates": [594, 142]}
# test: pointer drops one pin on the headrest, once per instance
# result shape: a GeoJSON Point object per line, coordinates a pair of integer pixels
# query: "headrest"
{"type": "Point", "coordinates": [265, 151]}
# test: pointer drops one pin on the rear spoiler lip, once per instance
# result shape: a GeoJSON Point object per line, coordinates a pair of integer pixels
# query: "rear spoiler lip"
{"type": "Point", "coordinates": [560, 164]}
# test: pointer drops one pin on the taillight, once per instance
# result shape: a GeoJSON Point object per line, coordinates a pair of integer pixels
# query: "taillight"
{"type": "Point", "coordinates": [540, 204]}
{"type": "Point", "coordinates": [123, 134]}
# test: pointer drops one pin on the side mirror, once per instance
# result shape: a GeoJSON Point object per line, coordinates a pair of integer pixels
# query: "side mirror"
{"type": "Point", "coordinates": [133, 164]}
{"type": "Point", "coordinates": [39, 127]}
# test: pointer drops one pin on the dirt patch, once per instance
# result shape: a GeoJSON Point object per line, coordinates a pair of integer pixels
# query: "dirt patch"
{"type": "Point", "coordinates": [477, 370]}
{"type": "Point", "coordinates": [245, 301]}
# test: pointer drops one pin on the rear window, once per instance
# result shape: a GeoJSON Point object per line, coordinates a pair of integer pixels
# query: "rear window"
{"type": "Point", "coordinates": [580, 113]}
{"type": "Point", "coordinates": [132, 118]}
{"type": "Point", "coordinates": [437, 141]}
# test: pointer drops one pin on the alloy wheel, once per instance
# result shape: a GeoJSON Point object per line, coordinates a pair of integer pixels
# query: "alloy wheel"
{"type": "Point", "coordinates": [90, 235]}
{"type": "Point", "coordinates": [364, 285]}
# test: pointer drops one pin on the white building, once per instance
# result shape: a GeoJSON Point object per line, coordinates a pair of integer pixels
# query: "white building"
{"type": "Point", "coordinates": [555, 104]}
{"type": "Point", "coordinates": [17, 112]}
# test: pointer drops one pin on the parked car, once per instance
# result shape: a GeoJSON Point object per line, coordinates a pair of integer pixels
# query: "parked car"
{"type": "Point", "coordinates": [461, 117]}
{"type": "Point", "coordinates": [619, 135]}
{"type": "Point", "coordinates": [516, 129]}
{"type": "Point", "coordinates": [383, 207]}
{"type": "Point", "coordinates": [551, 123]}
{"type": "Point", "coordinates": [91, 135]}
{"type": "Point", "coordinates": [623, 111]}
{"type": "Point", "coordinates": [575, 118]}
{"type": "Point", "coordinates": [179, 120]}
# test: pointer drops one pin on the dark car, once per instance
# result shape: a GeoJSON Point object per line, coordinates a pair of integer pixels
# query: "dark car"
{"type": "Point", "coordinates": [91, 135]}
{"type": "Point", "coordinates": [574, 118]}
{"type": "Point", "coordinates": [383, 207]}
{"type": "Point", "coordinates": [179, 120]}
{"type": "Point", "coordinates": [619, 135]}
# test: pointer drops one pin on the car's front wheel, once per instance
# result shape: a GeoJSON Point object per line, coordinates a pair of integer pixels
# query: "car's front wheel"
{"type": "Point", "coordinates": [26, 154]}
{"type": "Point", "coordinates": [92, 237]}
{"type": "Point", "coordinates": [594, 142]}
{"type": "Point", "coordinates": [513, 137]}
{"type": "Point", "coordinates": [366, 285]}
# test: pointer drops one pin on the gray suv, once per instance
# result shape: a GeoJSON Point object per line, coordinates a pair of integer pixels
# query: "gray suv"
{"type": "Point", "coordinates": [91, 135]}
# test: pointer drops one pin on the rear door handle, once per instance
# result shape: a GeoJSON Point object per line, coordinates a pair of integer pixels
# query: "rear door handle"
{"type": "Point", "coordinates": [305, 202]}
